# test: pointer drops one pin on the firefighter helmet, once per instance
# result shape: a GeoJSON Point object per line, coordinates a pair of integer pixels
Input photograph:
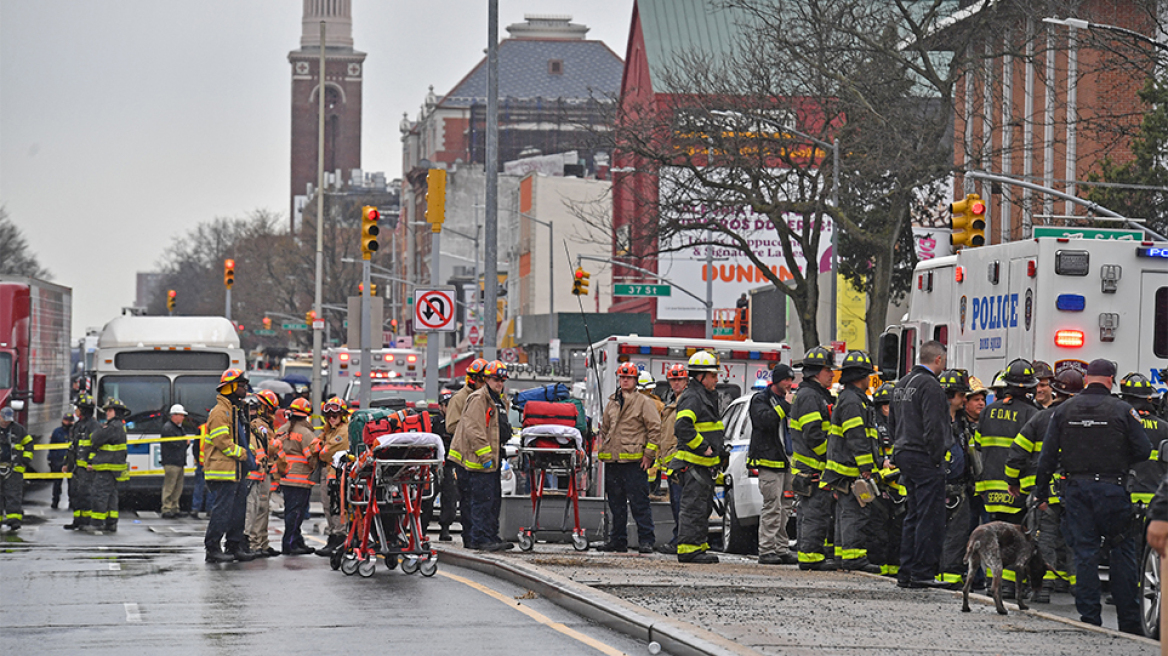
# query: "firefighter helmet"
{"type": "Point", "coordinates": [1020, 373]}
{"type": "Point", "coordinates": [268, 399]}
{"type": "Point", "coordinates": [334, 406]}
{"type": "Point", "coordinates": [1137, 386]}
{"type": "Point", "coordinates": [1043, 370]}
{"type": "Point", "coordinates": [116, 404]}
{"type": "Point", "coordinates": [497, 369]}
{"type": "Point", "coordinates": [645, 381]}
{"type": "Point", "coordinates": [954, 380]}
{"type": "Point", "coordinates": [300, 408]}
{"type": "Point", "coordinates": [230, 379]}
{"type": "Point", "coordinates": [702, 362]}
{"type": "Point", "coordinates": [445, 395]}
{"type": "Point", "coordinates": [627, 369]}
{"type": "Point", "coordinates": [883, 394]}
{"type": "Point", "coordinates": [85, 400]}
{"type": "Point", "coordinates": [976, 386]}
{"type": "Point", "coordinates": [999, 382]}
{"type": "Point", "coordinates": [856, 366]}
{"type": "Point", "coordinates": [819, 357]}
{"type": "Point", "coordinates": [1068, 383]}
{"type": "Point", "coordinates": [675, 372]}
{"type": "Point", "coordinates": [475, 369]}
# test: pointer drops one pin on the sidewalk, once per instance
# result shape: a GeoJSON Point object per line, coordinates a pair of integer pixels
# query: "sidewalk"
{"type": "Point", "coordinates": [781, 610]}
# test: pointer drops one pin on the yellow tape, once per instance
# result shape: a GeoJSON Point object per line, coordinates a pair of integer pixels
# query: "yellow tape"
{"type": "Point", "coordinates": [146, 440]}
{"type": "Point", "coordinates": [140, 472]}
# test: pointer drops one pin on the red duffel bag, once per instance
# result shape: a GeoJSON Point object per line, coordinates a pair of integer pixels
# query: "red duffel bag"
{"type": "Point", "coordinates": [538, 413]}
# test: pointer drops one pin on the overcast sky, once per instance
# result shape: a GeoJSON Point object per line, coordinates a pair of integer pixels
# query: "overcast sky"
{"type": "Point", "coordinates": [123, 122]}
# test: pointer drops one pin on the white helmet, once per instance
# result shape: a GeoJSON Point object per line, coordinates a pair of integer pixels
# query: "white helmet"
{"type": "Point", "coordinates": [645, 381]}
{"type": "Point", "coordinates": [177, 409]}
{"type": "Point", "coordinates": [702, 361]}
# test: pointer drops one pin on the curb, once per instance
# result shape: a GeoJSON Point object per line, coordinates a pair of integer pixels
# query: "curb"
{"type": "Point", "coordinates": [987, 600]}
{"type": "Point", "coordinates": [675, 637]}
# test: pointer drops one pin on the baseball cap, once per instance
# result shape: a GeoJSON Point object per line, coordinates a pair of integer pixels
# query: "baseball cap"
{"type": "Point", "coordinates": [8, 414]}
{"type": "Point", "coordinates": [781, 372]}
{"type": "Point", "coordinates": [67, 417]}
{"type": "Point", "coordinates": [1101, 367]}
{"type": "Point", "coordinates": [177, 409]}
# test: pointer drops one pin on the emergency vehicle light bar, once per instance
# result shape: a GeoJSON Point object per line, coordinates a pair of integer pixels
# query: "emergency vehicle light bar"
{"type": "Point", "coordinates": [1069, 338]}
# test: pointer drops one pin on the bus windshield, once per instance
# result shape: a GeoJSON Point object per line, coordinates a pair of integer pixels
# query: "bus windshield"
{"type": "Point", "coordinates": [5, 370]}
{"type": "Point", "coordinates": [197, 396]}
{"type": "Point", "coordinates": [147, 397]}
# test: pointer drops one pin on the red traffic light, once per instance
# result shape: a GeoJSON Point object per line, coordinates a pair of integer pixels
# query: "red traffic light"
{"type": "Point", "coordinates": [374, 215]}
{"type": "Point", "coordinates": [172, 293]}
{"type": "Point", "coordinates": [579, 274]}
{"type": "Point", "coordinates": [978, 207]}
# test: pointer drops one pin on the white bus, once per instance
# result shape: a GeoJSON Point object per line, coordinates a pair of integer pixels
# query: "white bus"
{"type": "Point", "coordinates": [151, 363]}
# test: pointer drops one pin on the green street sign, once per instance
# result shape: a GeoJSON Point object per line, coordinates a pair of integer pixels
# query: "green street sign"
{"type": "Point", "coordinates": [642, 290]}
{"type": "Point", "coordinates": [295, 326]}
{"type": "Point", "coordinates": [1088, 233]}
{"type": "Point", "coordinates": [264, 331]}
{"type": "Point", "coordinates": [723, 331]}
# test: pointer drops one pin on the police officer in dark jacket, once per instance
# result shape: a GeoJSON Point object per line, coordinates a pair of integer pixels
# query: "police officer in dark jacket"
{"type": "Point", "coordinates": [918, 419]}
{"type": "Point", "coordinates": [810, 423]}
{"type": "Point", "coordinates": [768, 454]}
{"type": "Point", "coordinates": [1096, 438]}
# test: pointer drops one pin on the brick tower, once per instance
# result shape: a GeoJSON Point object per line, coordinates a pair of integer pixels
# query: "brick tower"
{"type": "Point", "coordinates": [343, 70]}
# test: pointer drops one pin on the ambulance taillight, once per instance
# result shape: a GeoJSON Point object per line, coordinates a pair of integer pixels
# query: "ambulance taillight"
{"type": "Point", "coordinates": [1068, 338]}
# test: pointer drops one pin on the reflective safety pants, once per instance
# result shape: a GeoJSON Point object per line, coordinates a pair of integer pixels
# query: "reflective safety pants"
{"type": "Point", "coordinates": [956, 540]}
{"type": "Point", "coordinates": [258, 511]}
{"type": "Point", "coordinates": [852, 533]}
{"type": "Point", "coordinates": [1053, 547]}
{"type": "Point", "coordinates": [81, 493]}
{"type": "Point", "coordinates": [12, 497]}
{"type": "Point", "coordinates": [886, 522]}
{"type": "Point", "coordinates": [228, 512]}
{"type": "Point", "coordinates": [697, 502]}
{"type": "Point", "coordinates": [776, 509]}
{"type": "Point", "coordinates": [815, 517]}
{"type": "Point", "coordinates": [105, 499]}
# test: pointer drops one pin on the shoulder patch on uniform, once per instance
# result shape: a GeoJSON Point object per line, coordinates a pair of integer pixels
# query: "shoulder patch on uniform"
{"type": "Point", "coordinates": [1135, 415]}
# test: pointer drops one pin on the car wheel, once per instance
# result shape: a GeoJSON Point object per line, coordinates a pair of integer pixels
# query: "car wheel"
{"type": "Point", "coordinates": [1150, 593]}
{"type": "Point", "coordinates": [735, 537]}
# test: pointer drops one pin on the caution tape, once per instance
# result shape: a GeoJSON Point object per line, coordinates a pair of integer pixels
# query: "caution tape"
{"type": "Point", "coordinates": [137, 472]}
{"type": "Point", "coordinates": [145, 440]}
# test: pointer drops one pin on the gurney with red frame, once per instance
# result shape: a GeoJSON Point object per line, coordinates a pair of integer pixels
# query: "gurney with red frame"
{"type": "Point", "coordinates": [557, 451]}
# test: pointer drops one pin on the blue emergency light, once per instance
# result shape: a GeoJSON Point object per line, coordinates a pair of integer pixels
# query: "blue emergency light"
{"type": "Point", "coordinates": [1152, 251]}
{"type": "Point", "coordinates": [1070, 303]}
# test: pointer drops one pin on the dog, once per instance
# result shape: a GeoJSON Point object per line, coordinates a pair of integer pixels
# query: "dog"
{"type": "Point", "coordinates": [998, 545]}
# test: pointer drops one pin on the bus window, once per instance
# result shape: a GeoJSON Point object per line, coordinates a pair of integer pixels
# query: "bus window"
{"type": "Point", "coordinates": [1160, 334]}
{"type": "Point", "coordinates": [147, 397]}
{"type": "Point", "coordinates": [197, 396]}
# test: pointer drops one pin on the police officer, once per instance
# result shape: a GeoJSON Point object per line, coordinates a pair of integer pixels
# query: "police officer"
{"type": "Point", "coordinates": [768, 454]}
{"type": "Point", "coordinates": [108, 463]}
{"type": "Point", "coordinates": [700, 449]}
{"type": "Point", "coordinates": [852, 447]}
{"type": "Point", "coordinates": [1096, 438]}
{"type": "Point", "coordinates": [957, 525]}
{"type": "Point", "coordinates": [15, 457]}
{"type": "Point", "coordinates": [80, 477]}
{"type": "Point", "coordinates": [918, 419]}
{"type": "Point", "coordinates": [810, 423]}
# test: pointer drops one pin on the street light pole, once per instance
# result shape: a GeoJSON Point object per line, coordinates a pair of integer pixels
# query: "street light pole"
{"type": "Point", "coordinates": [491, 164]}
{"type": "Point", "coordinates": [316, 332]}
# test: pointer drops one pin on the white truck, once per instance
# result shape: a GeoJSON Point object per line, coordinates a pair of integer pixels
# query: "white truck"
{"type": "Point", "coordinates": [1061, 300]}
{"type": "Point", "coordinates": [386, 365]}
{"type": "Point", "coordinates": [151, 363]}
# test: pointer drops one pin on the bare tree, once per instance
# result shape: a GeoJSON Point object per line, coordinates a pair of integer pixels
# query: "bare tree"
{"type": "Point", "coordinates": [16, 258]}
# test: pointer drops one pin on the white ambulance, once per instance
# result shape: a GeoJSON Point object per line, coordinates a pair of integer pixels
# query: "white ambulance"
{"type": "Point", "coordinates": [1060, 300]}
{"type": "Point", "coordinates": [386, 365]}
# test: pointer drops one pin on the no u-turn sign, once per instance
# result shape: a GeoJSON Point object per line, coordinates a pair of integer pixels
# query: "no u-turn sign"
{"type": "Point", "coordinates": [434, 310]}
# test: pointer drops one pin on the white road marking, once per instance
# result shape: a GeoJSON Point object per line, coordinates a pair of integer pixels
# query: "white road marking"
{"type": "Point", "coordinates": [115, 567]}
{"type": "Point", "coordinates": [132, 612]}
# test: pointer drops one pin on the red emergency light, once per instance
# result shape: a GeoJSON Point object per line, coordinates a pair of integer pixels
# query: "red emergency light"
{"type": "Point", "coordinates": [389, 357]}
{"type": "Point", "coordinates": [344, 357]}
{"type": "Point", "coordinates": [411, 358]}
{"type": "Point", "coordinates": [1068, 338]}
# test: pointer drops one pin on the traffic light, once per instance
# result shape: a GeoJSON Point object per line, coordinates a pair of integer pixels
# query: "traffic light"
{"type": "Point", "coordinates": [228, 273]}
{"type": "Point", "coordinates": [310, 317]}
{"type": "Point", "coordinates": [968, 222]}
{"type": "Point", "coordinates": [436, 198]}
{"type": "Point", "coordinates": [369, 231]}
{"type": "Point", "coordinates": [393, 325]}
{"type": "Point", "coordinates": [267, 323]}
{"type": "Point", "coordinates": [361, 289]}
{"type": "Point", "coordinates": [171, 300]}
{"type": "Point", "coordinates": [580, 282]}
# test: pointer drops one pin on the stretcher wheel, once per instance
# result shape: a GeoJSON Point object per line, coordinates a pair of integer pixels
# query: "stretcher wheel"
{"type": "Point", "coordinates": [367, 567]}
{"type": "Point", "coordinates": [409, 565]}
{"type": "Point", "coordinates": [579, 542]}
{"type": "Point", "coordinates": [526, 541]}
{"type": "Point", "coordinates": [349, 564]}
{"type": "Point", "coordinates": [335, 558]}
{"type": "Point", "coordinates": [429, 567]}
{"type": "Point", "coordinates": [391, 562]}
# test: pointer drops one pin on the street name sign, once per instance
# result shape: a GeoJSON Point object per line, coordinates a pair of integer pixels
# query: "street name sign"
{"type": "Point", "coordinates": [642, 290]}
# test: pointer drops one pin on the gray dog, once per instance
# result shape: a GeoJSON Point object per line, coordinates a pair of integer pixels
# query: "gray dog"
{"type": "Point", "coordinates": [998, 545]}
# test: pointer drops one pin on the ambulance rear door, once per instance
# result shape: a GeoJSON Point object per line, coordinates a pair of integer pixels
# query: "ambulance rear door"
{"type": "Point", "coordinates": [1018, 309]}
{"type": "Point", "coordinates": [1153, 346]}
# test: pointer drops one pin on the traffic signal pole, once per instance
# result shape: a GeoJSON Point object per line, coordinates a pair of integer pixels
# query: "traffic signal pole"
{"type": "Point", "coordinates": [366, 336]}
{"type": "Point", "coordinates": [491, 226]}
{"type": "Point", "coordinates": [433, 337]}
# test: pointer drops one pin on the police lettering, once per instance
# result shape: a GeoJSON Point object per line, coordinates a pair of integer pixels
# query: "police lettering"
{"type": "Point", "coordinates": [994, 312]}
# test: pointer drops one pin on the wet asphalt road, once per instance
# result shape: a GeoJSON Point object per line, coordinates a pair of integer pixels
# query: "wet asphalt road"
{"type": "Point", "coordinates": [146, 590]}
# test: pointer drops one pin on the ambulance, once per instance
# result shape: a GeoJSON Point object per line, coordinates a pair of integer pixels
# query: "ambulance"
{"type": "Point", "coordinates": [1065, 301]}
{"type": "Point", "coordinates": [385, 365]}
{"type": "Point", "coordinates": [742, 363]}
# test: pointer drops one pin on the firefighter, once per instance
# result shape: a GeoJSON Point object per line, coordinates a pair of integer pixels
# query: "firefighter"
{"type": "Point", "coordinates": [228, 461]}
{"type": "Point", "coordinates": [266, 448]}
{"type": "Point", "coordinates": [454, 410]}
{"type": "Point", "coordinates": [667, 448]}
{"type": "Point", "coordinates": [1137, 390]}
{"type": "Point", "coordinates": [15, 457]}
{"type": "Point", "coordinates": [888, 508]}
{"type": "Point", "coordinates": [700, 453]}
{"type": "Point", "coordinates": [295, 464]}
{"type": "Point", "coordinates": [1096, 439]}
{"type": "Point", "coordinates": [333, 440]}
{"type": "Point", "coordinates": [477, 448]}
{"type": "Point", "coordinates": [810, 423]}
{"type": "Point", "coordinates": [767, 453]}
{"type": "Point", "coordinates": [1021, 466]}
{"type": "Point", "coordinates": [955, 382]}
{"type": "Point", "coordinates": [108, 463]}
{"type": "Point", "coordinates": [852, 447]}
{"type": "Point", "coordinates": [1043, 394]}
{"type": "Point", "coordinates": [448, 489]}
{"type": "Point", "coordinates": [80, 477]}
{"type": "Point", "coordinates": [629, 429]}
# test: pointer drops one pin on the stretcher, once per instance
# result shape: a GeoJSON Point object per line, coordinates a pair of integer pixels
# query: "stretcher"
{"type": "Point", "coordinates": [552, 450]}
{"type": "Point", "coordinates": [384, 485]}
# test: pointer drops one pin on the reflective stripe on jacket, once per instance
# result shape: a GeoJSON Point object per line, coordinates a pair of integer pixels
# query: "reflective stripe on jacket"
{"type": "Point", "coordinates": [221, 445]}
{"type": "Point", "coordinates": [997, 428]}
{"type": "Point", "coordinates": [810, 422]}
{"type": "Point", "coordinates": [853, 443]}
{"type": "Point", "coordinates": [19, 446]}
{"type": "Point", "coordinates": [768, 426]}
{"type": "Point", "coordinates": [698, 428]}
{"type": "Point", "coordinates": [475, 445]}
{"type": "Point", "coordinates": [109, 447]}
{"type": "Point", "coordinates": [627, 429]}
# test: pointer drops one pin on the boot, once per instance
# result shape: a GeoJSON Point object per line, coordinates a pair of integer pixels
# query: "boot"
{"type": "Point", "coordinates": [861, 565]}
{"type": "Point", "coordinates": [217, 556]}
{"type": "Point", "coordinates": [698, 558]}
{"type": "Point", "coordinates": [334, 541]}
{"type": "Point", "coordinates": [445, 536]}
{"type": "Point", "coordinates": [1042, 594]}
{"type": "Point", "coordinates": [111, 527]}
{"type": "Point", "coordinates": [769, 559]}
{"type": "Point", "coordinates": [611, 547]}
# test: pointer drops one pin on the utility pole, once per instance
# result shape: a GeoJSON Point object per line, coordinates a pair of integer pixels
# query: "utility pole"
{"type": "Point", "coordinates": [709, 285]}
{"type": "Point", "coordinates": [366, 336]}
{"type": "Point", "coordinates": [434, 336]}
{"type": "Point", "coordinates": [316, 331]}
{"type": "Point", "coordinates": [491, 248]}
